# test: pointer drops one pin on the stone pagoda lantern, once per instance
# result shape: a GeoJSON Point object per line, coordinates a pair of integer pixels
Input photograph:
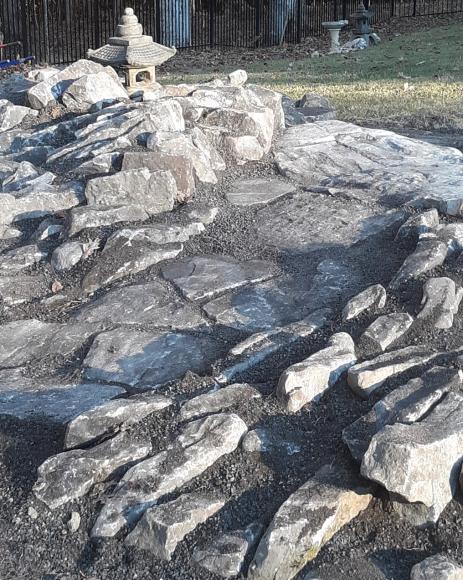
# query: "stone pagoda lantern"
{"type": "Point", "coordinates": [134, 53]}
{"type": "Point", "coordinates": [361, 24]}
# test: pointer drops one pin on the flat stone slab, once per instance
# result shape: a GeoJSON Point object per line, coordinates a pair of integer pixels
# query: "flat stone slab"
{"type": "Point", "coordinates": [72, 474]}
{"type": "Point", "coordinates": [441, 301]}
{"type": "Point", "coordinates": [247, 192]}
{"type": "Point", "coordinates": [366, 377]}
{"type": "Point", "coordinates": [307, 520]}
{"type": "Point", "coordinates": [384, 331]}
{"type": "Point", "coordinates": [150, 304]}
{"type": "Point", "coordinates": [437, 567]}
{"type": "Point", "coordinates": [86, 216]}
{"type": "Point", "coordinates": [111, 416]}
{"type": "Point", "coordinates": [147, 358]}
{"type": "Point", "coordinates": [306, 381]}
{"type": "Point", "coordinates": [204, 277]}
{"type": "Point", "coordinates": [372, 297]}
{"type": "Point", "coordinates": [162, 528]}
{"type": "Point", "coordinates": [265, 441]}
{"type": "Point", "coordinates": [21, 258]}
{"type": "Point", "coordinates": [423, 223]}
{"type": "Point", "coordinates": [197, 447]}
{"type": "Point", "coordinates": [218, 400]}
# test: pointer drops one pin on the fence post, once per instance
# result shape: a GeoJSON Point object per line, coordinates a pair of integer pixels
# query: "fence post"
{"type": "Point", "coordinates": [212, 24]}
{"type": "Point", "coordinates": [46, 31]}
{"type": "Point", "coordinates": [299, 21]}
{"type": "Point", "coordinates": [392, 7]}
{"type": "Point", "coordinates": [24, 33]}
{"type": "Point", "coordinates": [344, 9]}
{"type": "Point", "coordinates": [414, 7]}
{"type": "Point", "coordinates": [257, 22]}
{"type": "Point", "coordinates": [335, 10]}
{"type": "Point", "coordinates": [157, 27]}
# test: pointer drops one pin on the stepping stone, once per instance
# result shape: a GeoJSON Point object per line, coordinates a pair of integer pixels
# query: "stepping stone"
{"type": "Point", "coordinates": [265, 441]}
{"type": "Point", "coordinates": [257, 348]}
{"type": "Point", "coordinates": [20, 259]}
{"type": "Point", "coordinates": [25, 341]}
{"type": "Point", "coordinates": [72, 474]}
{"type": "Point", "coordinates": [82, 218]}
{"type": "Point", "coordinates": [366, 377]}
{"type": "Point", "coordinates": [261, 307]}
{"type": "Point", "coordinates": [384, 331]}
{"type": "Point", "coordinates": [369, 299]}
{"type": "Point", "coordinates": [307, 520]}
{"type": "Point", "coordinates": [149, 359]}
{"type": "Point", "coordinates": [199, 445]}
{"type": "Point", "coordinates": [225, 556]}
{"type": "Point", "coordinates": [306, 381]}
{"type": "Point", "coordinates": [218, 400]}
{"type": "Point", "coordinates": [438, 567]}
{"type": "Point", "coordinates": [206, 276]}
{"type": "Point", "coordinates": [111, 416]}
{"type": "Point", "coordinates": [441, 300]}
{"type": "Point", "coordinates": [423, 223]}
{"type": "Point", "coordinates": [406, 404]}
{"type": "Point", "coordinates": [22, 288]}
{"type": "Point", "coordinates": [246, 192]}
{"type": "Point", "coordinates": [420, 462]}
{"type": "Point", "coordinates": [429, 254]}
{"type": "Point", "coordinates": [150, 304]}
{"type": "Point", "coordinates": [162, 528]}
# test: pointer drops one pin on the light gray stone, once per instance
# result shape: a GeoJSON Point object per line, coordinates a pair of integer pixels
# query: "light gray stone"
{"type": "Point", "coordinates": [147, 358]}
{"type": "Point", "coordinates": [155, 234]}
{"type": "Point", "coordinates": [238, 78]}
{"type": "Point", "coordinates": [150, 304]}
{"type": "Point", "coordinates": [224, 556]}
{"type": "Point", "coordinates": [307, 520]}
{"type": "Point", "coordinates": [306, 381]}
{"type": "Point", "coordinates": [199, 445]}
{"type": "Point", "coordinates": [85, 217]}
{"type": "Point", "coordinates": [70, 475]}
{"type": "Point", "coordinates": [48, 228]}
{"type": "Point", "coordinates": [12, 115]}
{"type": "Point", "coordinates": [452, 235]}
{"type": "Point", "coordinates": [366, 377]}
{"type": "Point", "coordinates": [372, 297]}
{"type": "Point", "coordinates": [21, 258]}
{"type": "Point", "coordinates": [265, 441]}
{"type": "Point", "coordinates": [384, 331]}
{"type": "Point", "coordinates": [203, 277]}
{"type": "Point", "coordinates": [102, 163]}
{"type": "Point", "coordinates": [420, 461]}
{"type": "Point", "coordinates": [218, 400]}
{"type": "Point", "coordinates": [441, 300]}
{"type": "Point", "coordinates": [256, 191]}
{"type": "Point", "coordinates": [111, 416]}
{"type": "Point", "coordinates": [423, 223]}
{"type": "Point", "coordinates": [163, 527]}
{"type": "Point", "coordinates": [66, 256]}
{"type": "Point", "coordinates": [21, 288]}
{"type": "Point", "coordinates": [438, 567]}
{"type": "Point", "coordinates": [8, 233]}
{"type": "Point", "coordinates": [93, 91]}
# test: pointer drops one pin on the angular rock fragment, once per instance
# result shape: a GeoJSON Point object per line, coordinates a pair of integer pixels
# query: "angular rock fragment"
{"type": "Point", "coordinates": [406, 404]}
{"type": "Point", "coordinates": [21, 258]}
{"type": "Point", "coordinates": [416, 225]}
{"type": "Point", "coordinates": [307, 520]}
{"type": "Point", "coordinates": [218, 400]}
{"type": "Point", "coordinates": [154, 234]}
{"type": "Point", "coordinates": [69, 475]}
{"type": "Point", "coordinates": [12, 115]}
{"type": "Point", "coordinates": [203, 277]}
{"type": "Point", "coordinates": [93, 91]}
{"type": "Point", "coordinates": [47, 228]}
{"type": "Point", "coordinates": [438, 567]}
{"type": "Point", "coordinates": [148, 358]}
{"type": "Point", "coordinates": [112, 415]}
{"type": "Point", "coordinates": [421, 461]}
{"type": "Point", "coordinates": [364, 378]}
{"type": "Point", "coordinates": [243, 148]}
{"type": "Point", "coordinates": [441, 300]}
{"type": "Point", "coordinates": [224, 557]}
{"type": "Point", "coordinates": [163, 527]}
{"type": "Point", "coordinates": [94, 217]}
{"type": "Point", "coordinates": [452, 235]}
{"type": "Point", "coordinates": [247, 192]}
{"type": "Point", "coordinates": [384, 331]}
{"type": "Point", "coordinates": [371, 297]}
{"type": "Point", "coordinates": [102, 163]}
{"type": "Point", "coordinates": [66, 256]}
{"type": "Point", "coordinates": [197, 447]}
{"type": "Point", "coordinates": [308, 380]}
{"type": "Point", "coordinates": [237, 78]}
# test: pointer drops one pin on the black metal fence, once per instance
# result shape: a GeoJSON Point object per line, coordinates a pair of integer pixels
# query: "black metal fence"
{"type": "Point", "coordinates": [60, 31]}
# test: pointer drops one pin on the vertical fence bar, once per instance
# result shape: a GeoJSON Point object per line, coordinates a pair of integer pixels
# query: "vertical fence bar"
{"type": "Point", "coordinates": [299, 21]}
{"type": "Point", "coordinates": [257, 22]}
{"type": "Point", "coordinates": [46, 31]}
{"type": "Point", "coordinates": [212, 24]}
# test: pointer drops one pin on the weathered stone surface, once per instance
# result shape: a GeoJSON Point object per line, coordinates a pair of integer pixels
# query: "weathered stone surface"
{"type": "Point", "coordinates": [225, 555]}
{"type": "Point", "coordinates": [265, 441]}
{"type": "Point", "coordinates": [162, 528]}
{"type": "Point", "coordinates": [238, 77]}
{"type": "Point", "coordinates": [94, 217]}
{"type": "Point", "coordinates": [155, 234]}
{"type": "Point", "coordinates": [102, 163]}
{"type": "Point", "coordinates": [72, 474]}
{"type": "Point", "coordinates": [384, 331]}
{"type": "Point", "coordinates": [21, 258]}
{"type": "Point", "coordinates": [24, 341]}
{"type": "Point", "coordinates": [198, 447]}
{"type": "Point", "coordinates": [8, 233]}
{"type": "Point", "coordinates": [218, 400]}
{"type": "Point", "coordinates": [420, 461]}
{"type": "Point", "coordinates": [256, 191]}
{"type": "Point", "coordinates": [372, 297]}
{"type": "Point", "coordinates": [12, 115]}
{"type": "Point", "coordinates": [243, 148]}
{"type": "Point", "coordinates": [258, 347]}
{"type": "Point", "coordinates": [154, 191]}
{"type": "Point", "coordinates": [111, 416]}
{"type": "Point", "coordinates": [93, 91]}
{"type": "Point", "coordinates": [441, 300]}
{"type": "Point", "coordinates": [416, 225]}
{"type": "Point", "coordinates": [149, 358]}
{"type": "Point", "coordinates": [66, 256]}
{"type": "Point", "coordinates": [150, 304]}
{"type": "Point", "coordinates": [452, 235]}
{"type": "Point", "coordinates": [48, 228]}
{"type": "Point", "coordinates": [406, 404]}
{"type": "Point", "coordinates": [438, 567]}
{"type": "Point", "coordinates": [306, 381]}
{"type": "Point", "coordinates": [21, 288]}
{"type": "Point", "coordinates": [307, 520]}
{"type": "Point", "coordinates": [203, 277]}
{"type": "Point", "coordinates": [364, 378]}
{"type": "Point", "coordinates": [430, 252]}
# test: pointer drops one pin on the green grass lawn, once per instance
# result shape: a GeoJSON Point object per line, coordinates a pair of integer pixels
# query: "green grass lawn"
{"type": "Point", "coordinates": [414, 80]}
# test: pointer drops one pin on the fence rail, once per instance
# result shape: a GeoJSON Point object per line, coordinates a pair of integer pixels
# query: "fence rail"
{"type": "Point", "coordinates": [60, 31]}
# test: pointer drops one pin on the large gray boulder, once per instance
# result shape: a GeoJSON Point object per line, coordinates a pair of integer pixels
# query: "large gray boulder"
{"type": "Point", "coordinates": [93, 91]}
{"type": "Point", "coordinates": [12, 115]}
{"type": "Point", "coordinates": [441, 300]}
{"type": "Point", "coordinates": [384, 331]}
{"type": "Point", "coordinates": [372, 297]}
{"type": "Point", "coordinates": [438, 567]}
